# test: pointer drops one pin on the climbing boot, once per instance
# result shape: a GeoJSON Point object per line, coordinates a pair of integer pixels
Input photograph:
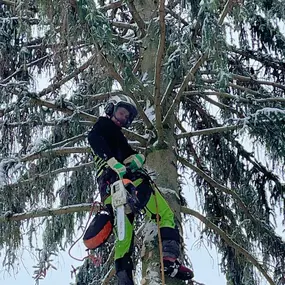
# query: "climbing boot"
{"type": "Point", "coordinates": [174, 269]}
{"type": "Point", "coordinates": [172, 266]}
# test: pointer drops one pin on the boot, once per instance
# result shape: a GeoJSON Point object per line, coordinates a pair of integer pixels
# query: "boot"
{"type": "Point", "coordinates": [125, 278]}
{"type": "Point", "coordinates": [172, 266]}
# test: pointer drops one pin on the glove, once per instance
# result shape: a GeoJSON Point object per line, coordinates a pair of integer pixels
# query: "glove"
{"type": "Point", "coordinates": [118, 167]}
{"type": "Point", "coordinates": [135, 161]}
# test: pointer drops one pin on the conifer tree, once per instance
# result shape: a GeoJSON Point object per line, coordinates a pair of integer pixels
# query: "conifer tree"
{"type": "Point", "coordinates": [208, 79]}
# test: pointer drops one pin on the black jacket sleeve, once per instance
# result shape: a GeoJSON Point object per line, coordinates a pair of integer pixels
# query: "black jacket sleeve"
{"type": "Point", "coordinates": [107, 140]}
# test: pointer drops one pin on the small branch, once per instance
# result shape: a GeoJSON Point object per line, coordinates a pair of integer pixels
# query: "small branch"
{"type": "Point", "coordinates": [44, 212]}
{"type": "Point", "coordinates": [136, 17]}
{"type": "Point", "coordinates": [111, 6]}
{"type": "Point", "coordinates": [229, 241]}
{"type": "Point", "coordinates": [157, 76]}
{"type": "Point", "coordinates": [7, 2]}
{"type": "Point", "coordinates": [261, 82]}
{"type": "Point", "coordinates": [208, 131]}
{"type": "Point", "coordinates": [193, 70]}
{"type": "Point", "coordinates": [223, 106]}
{"type": "Point", "coordinates": [226, 10]}
{"type": "Point", "coordinates": [177, 17]}
{"type": "Point", "coordinates": [23, 67]}
{"type": "Point", "coordinates": [55, 152]}
{"type": "Point", "coordinates": [189, 76]}
{"type": "Point", "coordinates": [217, 185]}
{"type": "Point", "coordinates": [123, 25]}
{"type": "Point", "coordinates": [58, 84]}
{"type": "Point", "coordinates": [216, 93]}
{"type": "Point", "coordinates": [52, 173]}
{"type": "Point", "coordinates": [68, 110]}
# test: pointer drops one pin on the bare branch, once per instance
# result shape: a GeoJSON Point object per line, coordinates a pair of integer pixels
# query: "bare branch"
{"type": "Point", "coordinates": [229, 241]}
{"type": "Point", "coordinates": [52, 173]}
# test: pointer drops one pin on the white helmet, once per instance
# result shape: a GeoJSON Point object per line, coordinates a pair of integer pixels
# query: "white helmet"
{"type": "Point", "coordinates": [122, 101]}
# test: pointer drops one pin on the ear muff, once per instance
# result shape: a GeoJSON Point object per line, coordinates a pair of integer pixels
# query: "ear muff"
{"type": "Point", "coordinates": [109, 109]}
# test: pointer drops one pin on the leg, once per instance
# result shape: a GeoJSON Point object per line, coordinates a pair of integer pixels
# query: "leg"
{"type": "Point", "coordinates": [123, 249]}
{"type": "Point", "coordinates": [169, 235]}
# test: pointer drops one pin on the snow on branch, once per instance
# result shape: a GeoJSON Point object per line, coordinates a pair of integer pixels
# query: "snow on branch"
{"type": "Point", "coordinates": [44, 212]}
{"type": "Point", "coordinates": [55, 152]}
{"type": "Point", "coordinates": [194, 69]}
{"type": "Point", "coordinates": [65, 107]}
{"type": "Point", "coordinates": [220, 187]}
{"type": "Point", "coordinates": [209, 131]}
{"type": "Point", "coordinates": [77, 71]}
{"type": "Point", "coordinates": [7, 2]}
{"type": "Point", "coordinates": [52, 173]}
{"type": "Point", "coordinates": [229, 241]}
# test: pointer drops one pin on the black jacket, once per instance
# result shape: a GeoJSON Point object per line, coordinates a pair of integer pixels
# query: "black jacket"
{"type": "Point", "coordinates": [107, 140]}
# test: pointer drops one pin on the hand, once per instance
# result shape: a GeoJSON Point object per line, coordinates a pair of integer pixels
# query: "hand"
{"type": "Point", "coordinates": [135, 161]}
{"type": "Point", "coordinates": [118, 167]}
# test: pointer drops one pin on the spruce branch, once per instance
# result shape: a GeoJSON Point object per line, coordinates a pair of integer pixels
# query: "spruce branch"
{"type": "Point", "coordinates": [61, 82]}
{"type": "Point", "coordinates": [111, 6]}
{"type": "Point", "coordinates": [223, 106]}
{"type": "Point", "coordinates": [55, 152]}
{"type": "Point", "coordinates": [260, 82]}
{"type": "Point", "coordinates": [24, 67]}
{"type": "Point", "coordinates": [239, 249]}
{"type": "Point", "coordinates": [157, 76]}
{"type": "Point", "coordinates": [7, 2]}
{"type": "Point", "coordinates": [209, 131]}
{"type": "Point", "coordinates": [52, 173]}
{"type": "Point", "coordinates": [193, 70]}
{"type": "Point", "coordinates": [64, 108]}
{"type": "Point", "coordinates": [217, 185]}
{"type": "Point", "coordinates": [45, 212]}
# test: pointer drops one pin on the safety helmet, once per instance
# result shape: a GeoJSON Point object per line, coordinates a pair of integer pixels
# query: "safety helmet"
{"type": "Point", "coordinates": [122, 101]}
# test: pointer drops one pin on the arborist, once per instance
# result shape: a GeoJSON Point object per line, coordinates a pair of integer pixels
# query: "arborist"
{"type": "Point", "coordinates": [113, 157]}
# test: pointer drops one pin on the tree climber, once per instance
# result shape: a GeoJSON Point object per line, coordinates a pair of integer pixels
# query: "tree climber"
{"type": "Point", "coordinates": [113, 156]}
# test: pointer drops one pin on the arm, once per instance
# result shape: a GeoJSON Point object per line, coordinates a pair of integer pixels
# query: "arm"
{"type": "Point", "coordinates": [99, 143]}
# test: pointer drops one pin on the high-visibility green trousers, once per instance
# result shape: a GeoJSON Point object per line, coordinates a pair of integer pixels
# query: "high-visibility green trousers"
{"type": "Point", "coordinates": [168, 229]}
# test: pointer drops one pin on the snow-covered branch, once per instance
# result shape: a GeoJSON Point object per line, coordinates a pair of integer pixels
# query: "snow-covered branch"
{"type": "Point", "coordinates": [208, 131]}
{"type": "Point", "coordinates": [229, 241]}
{"type": "Point", "coordinates": [193, 70]}
{"type": "Point", "coordinates": [61, 82]}
{"type": "Point", "coordinates": [45, 212]}
{"type": "Point", "coordinates": [64, 108]}
{"type": "Point", "coordinates": [52, 173]}
{"type": "Point", "coordinates": [55, 152]}
{"type": "Point", "coordinates": [217, 185]}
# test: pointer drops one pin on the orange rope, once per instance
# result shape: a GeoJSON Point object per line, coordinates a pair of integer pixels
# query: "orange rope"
{"type": "Point", "coordinates": [95, 260]}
